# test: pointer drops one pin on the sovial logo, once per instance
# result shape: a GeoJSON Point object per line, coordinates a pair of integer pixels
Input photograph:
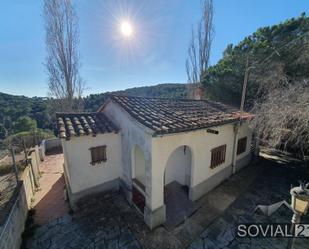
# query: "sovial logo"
{"type": "Point", "coordinates": [272, 230]}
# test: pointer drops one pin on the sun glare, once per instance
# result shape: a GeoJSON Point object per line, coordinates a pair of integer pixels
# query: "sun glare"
{"type": "Point", "coordinates": [126, 29]}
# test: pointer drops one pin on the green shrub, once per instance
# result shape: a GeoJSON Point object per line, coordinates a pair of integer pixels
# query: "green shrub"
{"type": "Point", "coordinates": [6, 168]}
{"type": "Point", "coordinates": [30, 138]}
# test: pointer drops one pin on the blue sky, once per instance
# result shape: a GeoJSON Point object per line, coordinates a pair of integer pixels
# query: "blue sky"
{"type": "Point", "coordinates": [155, 54]}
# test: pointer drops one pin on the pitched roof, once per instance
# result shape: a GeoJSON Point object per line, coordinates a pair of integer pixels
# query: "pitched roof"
{"type": "Point", "coordinates": [79, 124]}
{"type": "Point", "coordinates": [165, 116]}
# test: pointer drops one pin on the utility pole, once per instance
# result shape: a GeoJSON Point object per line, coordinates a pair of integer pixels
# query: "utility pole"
{"type": "Point", "coordinates": [244, 87]}
{"type": "Point", "coordinates": [242, 103]}
{"type": "Point", "coordinates": [237, 126]}
{"type": "Point", "coordinates": [24, 148]}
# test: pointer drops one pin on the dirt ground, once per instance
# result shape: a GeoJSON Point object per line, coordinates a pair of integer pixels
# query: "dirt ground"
{"type": "Point", "coordinates": [49, 201]}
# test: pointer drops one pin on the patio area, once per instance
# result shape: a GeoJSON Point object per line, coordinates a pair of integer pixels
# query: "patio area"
{"type": "Point", "coordinates": [178, 205]}
{"type": "Point", "coordinates": [109, 222]}
{"type": "Point", "coordinates": [271, 186]}
{"type": "Point", "coordinates": [49, 202]}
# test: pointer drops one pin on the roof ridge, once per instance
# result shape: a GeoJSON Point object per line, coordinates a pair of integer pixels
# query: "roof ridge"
{"type": "Point", "coordinates": [160, 98]}
{"type": "Point", "coordinates": [172, 115]}
{"type": "Point", "coordinates": [75, 113]}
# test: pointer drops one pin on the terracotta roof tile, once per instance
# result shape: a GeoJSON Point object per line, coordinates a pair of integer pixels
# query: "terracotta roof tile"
{"type": "Point", "coordinates": [79, 124]}
{"type": "Point", "coordinates": [177, 115]}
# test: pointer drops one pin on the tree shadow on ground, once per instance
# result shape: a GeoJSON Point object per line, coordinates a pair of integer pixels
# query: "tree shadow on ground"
{"type": "Point", "coordinates": [52, 205]}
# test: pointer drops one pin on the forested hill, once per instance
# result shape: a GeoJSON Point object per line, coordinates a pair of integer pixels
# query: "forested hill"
{"type": "Point", "coordinates": [94, 101]}
{"type": "Point", "coordinates": [275, 54]}
{"type": "Point", "coordinates": [12, 107]}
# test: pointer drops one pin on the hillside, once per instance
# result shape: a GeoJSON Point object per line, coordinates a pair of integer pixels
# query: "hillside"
{"type": "Point", "coordinates": [94, 101]}
{"type": "Point", "coordinates": [274, 54]}
{"type": "Point", "coordinates": [12, 107]}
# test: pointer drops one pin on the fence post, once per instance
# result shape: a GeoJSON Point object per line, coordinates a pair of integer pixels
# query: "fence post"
{"type": "Point", "coordinates": [35, 180]}
{"type": "Point", "coordinates": [24, 148]}
{"type": "Point", "coordinates": [14, 164]}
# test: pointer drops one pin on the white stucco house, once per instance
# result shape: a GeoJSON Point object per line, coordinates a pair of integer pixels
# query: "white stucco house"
{"type": "Point", "coordinates": [141, 145]}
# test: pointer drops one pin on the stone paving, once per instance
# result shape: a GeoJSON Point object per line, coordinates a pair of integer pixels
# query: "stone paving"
{"type": "Point", "coordinates": [109, 222]}
{"type": "Point", "coordinates": [214, 203]}
{"type": "Point", "coordinates": [100, 225]}
{"type": "Point", "coordinates": [271, 186]}
{"type": "Point", "coordinates": [49, 201]}
{"type": "Point", "coordinates": [177, 204]}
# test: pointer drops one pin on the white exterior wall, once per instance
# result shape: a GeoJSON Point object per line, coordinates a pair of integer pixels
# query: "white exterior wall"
{"type": "Point", "coordinates": [245, 131]}
{"type": "Point", "coordinates": [139, 169]}
{"type": "Point", "coordinates": [132, 133]}
{"type": "Point", "coordinates": [178, 167]}
{"type": "Point", "coordinates": [201, 144]}
{"type": "Point", "coordinates": [158, 152]}
{"type": "Point", "coordinates": [81, 175]}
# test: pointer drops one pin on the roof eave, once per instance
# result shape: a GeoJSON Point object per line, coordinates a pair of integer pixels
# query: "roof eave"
{"type": "Point", "coordinates": [156, 134]}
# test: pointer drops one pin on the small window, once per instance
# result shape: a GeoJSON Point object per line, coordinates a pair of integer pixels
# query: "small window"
{"type": "Point", "coordinates": [218, 156]}
{"type": "Point", "coordinates": [98, 154]}
{"type": "Point", "coordinates": [241, 145]}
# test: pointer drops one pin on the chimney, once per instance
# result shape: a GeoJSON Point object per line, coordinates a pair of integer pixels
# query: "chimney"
{"type": "Point", "coordinates": [198, 92]}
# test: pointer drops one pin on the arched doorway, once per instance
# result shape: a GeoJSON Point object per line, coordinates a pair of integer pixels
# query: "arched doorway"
{"type": "Point", "coordinates": [177, 181]}
{"type": "Point", "coordinates": [138, 178]}
{"type": "Point", "coordinates": [178, 167]}
{"type": "Point", "coordinates": [139, 164]}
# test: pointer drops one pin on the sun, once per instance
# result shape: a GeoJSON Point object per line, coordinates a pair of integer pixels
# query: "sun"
{"type": "Point", "coordinates": [126, 29]}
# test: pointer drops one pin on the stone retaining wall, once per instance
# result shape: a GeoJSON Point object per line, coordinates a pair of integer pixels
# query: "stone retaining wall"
{"type": "Point", "coordinates": [34, 162]}
{"type": "Point", "coordinates": [19, 205]}
{"type": "Point", "coordinates": [12, 229]}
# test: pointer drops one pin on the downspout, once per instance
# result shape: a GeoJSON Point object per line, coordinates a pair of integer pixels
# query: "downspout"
{"type": "Point", "coordinates": [234, 157]}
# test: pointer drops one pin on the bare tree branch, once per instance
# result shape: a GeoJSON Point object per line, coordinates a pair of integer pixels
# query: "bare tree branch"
{"type": "Point", "coordinates": [200, 45]}
{"type": "Point", "coordinates": [282, 116]}
{"type": "Point", "coordinates": [62, 62]}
